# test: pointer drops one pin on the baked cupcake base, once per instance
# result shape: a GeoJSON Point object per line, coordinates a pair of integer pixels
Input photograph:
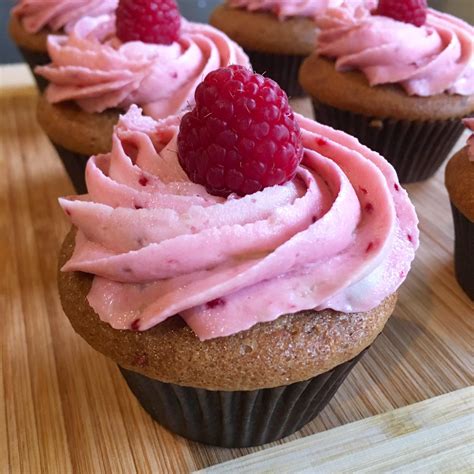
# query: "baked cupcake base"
{"type": "Point", "coordinates": [459, 177]}
{"type": "Point", "coordinates": [237, 419]}
{"type": "Point", "coordinates": [415, 134]}
{"type": "Point", "coordinates": [276, 48]}
{"type": "Point", "coordinates": [290, 367]}
{"type": "Point", "coordinates": [33, 48]}
{"type": "Point", "coordinates": [76, 135]}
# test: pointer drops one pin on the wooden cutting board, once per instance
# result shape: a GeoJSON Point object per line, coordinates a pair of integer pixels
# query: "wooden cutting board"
{"type": "Point", "coordinates": [436, 435]}
{"type": "Point", "coordinates": [65, 408]}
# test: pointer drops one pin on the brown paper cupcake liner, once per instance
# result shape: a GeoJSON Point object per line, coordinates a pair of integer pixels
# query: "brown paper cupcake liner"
{"type": "Point", "coordinates": [282, 68]}
{"type": "Point", "coordinates": [463, 251]}
{"type": "Point", "coordinates": [416, 149]}
{"type": "Point", "coordinates": [240, 418]}
{"type": "Point", "coordinates": [75, 165]}
{"type": "Point", "coordinates": [33, 59]}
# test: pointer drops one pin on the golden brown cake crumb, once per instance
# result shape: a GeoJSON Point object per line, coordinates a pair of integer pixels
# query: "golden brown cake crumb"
{"type": "Point", "coordinates": [76, 130]}
{"type": "Point", "coordinates": [261, 31]}
{"type": "Point", "coordinates": [293, 348]}
{"type": "Point", "coordinates": [459, 179]}
{"type": "Point", "coordinates": [351, 91]}
{"type": "Point", "coordinates": [32, 41]}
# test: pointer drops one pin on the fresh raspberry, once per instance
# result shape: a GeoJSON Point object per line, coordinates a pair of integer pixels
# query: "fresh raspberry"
{"type": "Point", "coordinates": [149, 21]}
{"type": "Point", "coordinates": [408, 11]}
{"type": "Point", "coordinates": [241, 136]}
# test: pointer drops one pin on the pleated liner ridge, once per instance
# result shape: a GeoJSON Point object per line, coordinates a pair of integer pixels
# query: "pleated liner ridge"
{"type": "Point", "coordinates": [33, 59]}
{"type": "Point", "coordinates": [240, 418]}
{"type": "Point", "coordinates": [75, 165]}
{"type": "Point", "coordinates": [464, 251]}
{"type": "Point", "coordinates": [416, 149]}
{"type": "Point", "coordinates": [282, 68]}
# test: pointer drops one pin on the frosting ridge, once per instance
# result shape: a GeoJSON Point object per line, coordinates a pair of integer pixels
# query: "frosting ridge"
{"type": "Point", "coordinates": [160, 245]}
{"type": "Point", "coordinates": [95, 69]}
{"type": "Point", "coordinates": [435, 58]}
{"type": "Point", "coordinates": [57, 14]}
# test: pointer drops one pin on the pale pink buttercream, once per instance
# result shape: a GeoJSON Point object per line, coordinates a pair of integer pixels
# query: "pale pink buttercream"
{"type": "Point", "coordinates": [59, 14]}
{"type": "Point", "coordinates": [435, 58]}
{"type": "Point", "coordinates": [341, 235]}
{"type": "Point", "coordinates": [469, 122]}
{"type": "Point", "coordinates": [302, 8]}
{"type": "Point", "coordinates": [94, 68]}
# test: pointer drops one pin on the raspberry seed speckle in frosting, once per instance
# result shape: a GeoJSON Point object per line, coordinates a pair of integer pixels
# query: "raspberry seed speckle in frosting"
{"type": "Point", "coordinates": [149, 21]}
{"type": "Point", "coordinates": [242, 135]}
{"type": "Point", "coordinates": [408, 11]}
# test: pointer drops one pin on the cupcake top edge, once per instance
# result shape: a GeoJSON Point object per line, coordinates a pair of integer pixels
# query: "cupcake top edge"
{"type": "Point", "coordinates": [93, 68]}
{"type": "Point", "coordinates": [339, 234]}
{"type": "Point", "coordinates": [59, 15]}
{"type": "Point", "coordinates": [300, 8]}
{"type": "Point", "coordinates": [434, 58]}
{"type": "Point", "coordinates": [469, 123]}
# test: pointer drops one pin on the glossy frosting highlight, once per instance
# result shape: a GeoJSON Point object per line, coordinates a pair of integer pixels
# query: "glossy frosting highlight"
{"type": "Point", "coordinates": [435, 58]}
{"type": "Point", "coordinates": [341, 235]}
{"type": "Point", "coordinates": [95, 69]}
{"type": "Point", "coordinates": [59, 14]}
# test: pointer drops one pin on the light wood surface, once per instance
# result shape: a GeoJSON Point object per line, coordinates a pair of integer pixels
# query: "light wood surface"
{"type": "Point", "coordinates": [65, 408]}
{"type": "Point", "coordinates": [435, 435]}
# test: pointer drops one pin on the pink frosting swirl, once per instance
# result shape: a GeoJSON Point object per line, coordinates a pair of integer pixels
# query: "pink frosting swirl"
{"type": "Point", "coordinates": [341, 235]}
{"type": "Point", "coordinates": [469, 122]}
{"type": "Point", "coordinates": [435, 58]}
{"type": "Point", "coordinates": [94, 68]}
{"type": "Point", "coordinates": [303, 8]}
{"type": "Point", "coordinates": [57, 14]}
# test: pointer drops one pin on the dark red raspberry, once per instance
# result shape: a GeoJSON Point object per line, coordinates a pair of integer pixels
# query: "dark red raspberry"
{"type": "Point", "coordinates": [241, 136]}
{"type": "Point", "coordinates": [150, 21]}
{"type": "Point", "coordinates": [408, 11]}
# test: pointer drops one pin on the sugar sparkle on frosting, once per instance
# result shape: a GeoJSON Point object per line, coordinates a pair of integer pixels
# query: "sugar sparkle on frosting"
{"type": "Point", "coordinates": [341, 235]}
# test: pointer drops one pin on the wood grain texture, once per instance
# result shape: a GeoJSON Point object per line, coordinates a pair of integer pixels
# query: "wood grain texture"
{"type": "Point", "coordinates": [435, 435]}
{"type": "Point", "coordinates": [65, 408]}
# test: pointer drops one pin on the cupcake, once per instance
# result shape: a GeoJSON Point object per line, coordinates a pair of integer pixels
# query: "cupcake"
{"type": "Point", "coordinates": [459, 182]}
{"type": "Point", "coordinates": [276, 34]}
{"type": "Point", "coordinates": [235, 267]}
{"type": "Point", "coordinates": [402, 86]}
{"type": "Point", "coordinates": [32, 21]}
{"type": "Point", "coordinates": [94, 75]}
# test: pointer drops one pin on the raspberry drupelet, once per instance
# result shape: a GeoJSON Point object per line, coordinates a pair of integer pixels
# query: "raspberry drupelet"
{"type": "Point", "coordinates": [149, 21]}
{"type": "Point", "coordinates": [408, 11]}
{"type": "Point", "coordinates": [241, 136]}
